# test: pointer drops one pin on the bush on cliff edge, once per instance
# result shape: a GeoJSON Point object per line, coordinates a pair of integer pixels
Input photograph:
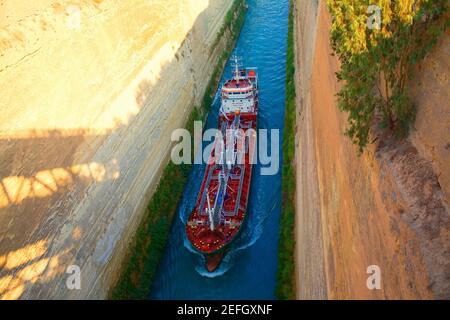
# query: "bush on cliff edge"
{"type": "Point", "coordinates": [377, 56]}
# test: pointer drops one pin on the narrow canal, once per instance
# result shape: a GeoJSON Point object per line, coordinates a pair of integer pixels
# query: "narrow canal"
{"type": "Point", "coordinates": [248, 271]}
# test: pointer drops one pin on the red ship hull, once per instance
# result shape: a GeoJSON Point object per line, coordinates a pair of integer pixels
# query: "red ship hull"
{"type": "Point", "coordinates": [221, 207]}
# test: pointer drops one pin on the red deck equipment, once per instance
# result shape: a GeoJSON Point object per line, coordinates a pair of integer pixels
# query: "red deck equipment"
{"type": "Point", "coordinates": [221, 206]}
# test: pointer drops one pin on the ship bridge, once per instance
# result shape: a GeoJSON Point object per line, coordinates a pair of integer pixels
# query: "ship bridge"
{"type": "Point", "coordinates": [238, 94]}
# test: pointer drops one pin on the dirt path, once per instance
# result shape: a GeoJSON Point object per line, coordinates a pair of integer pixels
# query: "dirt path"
{"type": "Point", "coordinates": [310, 273]}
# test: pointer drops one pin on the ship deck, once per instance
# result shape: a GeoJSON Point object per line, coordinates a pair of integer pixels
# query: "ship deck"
{"type": "Point", "coordinates": [233, 193]}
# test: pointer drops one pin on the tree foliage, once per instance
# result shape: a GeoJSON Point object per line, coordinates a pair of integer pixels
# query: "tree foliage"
{"type": "Point", "coordinates": [376, 63]}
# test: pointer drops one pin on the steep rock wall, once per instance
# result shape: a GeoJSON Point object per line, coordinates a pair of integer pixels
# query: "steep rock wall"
{"type": "Point", "coordinates": [430, 92]}
{"type": "Point", "coordinates": [90, 93]}
{"type": "Point", "coordinates": [385, 208]}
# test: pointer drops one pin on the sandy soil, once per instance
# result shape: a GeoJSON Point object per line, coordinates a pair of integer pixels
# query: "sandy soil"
{"type": "Point", "coordinates": [310, 272]}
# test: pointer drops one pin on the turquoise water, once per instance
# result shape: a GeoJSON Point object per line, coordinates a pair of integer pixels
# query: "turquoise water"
{"type": "Point", "coordinates": [248, 271]}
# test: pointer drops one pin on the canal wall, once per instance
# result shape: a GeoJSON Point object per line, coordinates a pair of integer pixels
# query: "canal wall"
{"type": "Point", "coordinates": [388, 207]}
{"type": "Point", "coordinates": [90, 93]}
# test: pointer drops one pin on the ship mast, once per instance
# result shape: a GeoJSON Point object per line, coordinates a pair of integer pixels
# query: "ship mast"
{"type": "Point", "coordinates": [210, 212]}
{"type": "Point", "coordinates": [227, 159]}
{"type": "Point", "coordinates": [235, 64]}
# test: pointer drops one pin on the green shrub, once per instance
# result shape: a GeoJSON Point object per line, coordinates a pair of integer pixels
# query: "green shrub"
{"type": "Point", "coordinates": [233, 21]}
{"type": "Point", "coordinates": [376, 63]}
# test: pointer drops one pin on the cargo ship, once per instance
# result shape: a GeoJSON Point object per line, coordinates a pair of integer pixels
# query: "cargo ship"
{"type": "Point", "coordinates": [221, 206]}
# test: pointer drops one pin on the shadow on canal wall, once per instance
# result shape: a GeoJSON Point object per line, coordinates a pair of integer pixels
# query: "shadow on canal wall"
{"type": "Point", "coordinates": [85, 131]}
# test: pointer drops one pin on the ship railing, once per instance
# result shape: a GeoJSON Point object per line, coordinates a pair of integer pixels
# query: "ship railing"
{"type": "Point", "coordinates": [232, 224]}
{"type": "Point", "coordinates": [196, 222]}
{"type": "Point", "coordinates": [229, 214]}
{"type": "Point", "coordinates": [241, 177]}
{"type": "Point", "coordinates": [207, 183]}
{"type": "Point", "coordinates": [235, 176]}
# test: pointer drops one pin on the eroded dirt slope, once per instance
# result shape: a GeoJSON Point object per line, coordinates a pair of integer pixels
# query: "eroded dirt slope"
{"type": "Point", "coordinates": [386, 208]}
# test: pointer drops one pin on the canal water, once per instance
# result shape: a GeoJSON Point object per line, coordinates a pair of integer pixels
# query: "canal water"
{"type": "Point", "coordinates": [248, 271]}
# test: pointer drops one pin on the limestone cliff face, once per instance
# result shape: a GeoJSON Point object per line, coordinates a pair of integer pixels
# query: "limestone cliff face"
{"type": "Point", "coordinates": [385, 208]}
{"type": "Point", "coordinates": [90, 92]}
{"type": "Point", "coordinates": [430, 92]}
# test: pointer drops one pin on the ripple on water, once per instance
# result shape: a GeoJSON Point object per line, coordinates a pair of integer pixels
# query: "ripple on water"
{"type": "Point", "coordinates": [248, 270]}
